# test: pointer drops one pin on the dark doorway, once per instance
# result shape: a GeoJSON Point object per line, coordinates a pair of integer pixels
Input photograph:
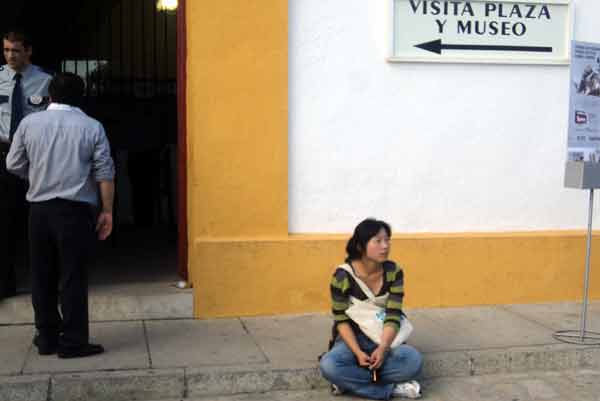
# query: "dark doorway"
{"type": "Point", "coordinates": [126, 52]}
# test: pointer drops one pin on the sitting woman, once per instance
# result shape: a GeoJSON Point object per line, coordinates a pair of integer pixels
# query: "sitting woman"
{"type": "Point", "coordinates": [355, 363]}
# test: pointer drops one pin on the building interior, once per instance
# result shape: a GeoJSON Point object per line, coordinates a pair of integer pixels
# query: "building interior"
{"type": "Point", "coordinates": [125, 50]}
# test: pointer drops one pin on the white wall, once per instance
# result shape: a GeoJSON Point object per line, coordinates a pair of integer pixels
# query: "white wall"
{"type": "Point", "coordinates": [427, 147]}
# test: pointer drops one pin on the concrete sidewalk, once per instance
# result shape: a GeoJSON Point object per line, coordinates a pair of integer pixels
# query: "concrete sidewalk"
{"type": "Point", "coordinates": [184, 358]}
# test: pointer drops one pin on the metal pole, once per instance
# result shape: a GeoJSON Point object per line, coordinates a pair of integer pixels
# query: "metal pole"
{"type": "Point", "coordinates": [587, 267]}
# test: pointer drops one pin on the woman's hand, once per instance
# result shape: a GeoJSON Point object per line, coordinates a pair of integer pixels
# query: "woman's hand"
{"type": "Point", "coordinates": [363, 359]}
{"type": "Point", "coordinates": [378, 357]}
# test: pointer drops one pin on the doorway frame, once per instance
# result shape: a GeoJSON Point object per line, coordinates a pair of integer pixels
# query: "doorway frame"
{"type": "Point", "coordinates": [182, 226]}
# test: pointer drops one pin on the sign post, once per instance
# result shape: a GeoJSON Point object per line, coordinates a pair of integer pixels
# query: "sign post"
{"type": "Point", "coordinates": [482, 31]}
{"type": "Point", "coordinates": [583, 336]}
{"type": "Point", "coordinates": [583, 162]}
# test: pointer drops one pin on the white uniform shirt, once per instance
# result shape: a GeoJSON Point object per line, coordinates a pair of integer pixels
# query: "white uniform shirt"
{"type": "Point", "coordinates": [34, 83]}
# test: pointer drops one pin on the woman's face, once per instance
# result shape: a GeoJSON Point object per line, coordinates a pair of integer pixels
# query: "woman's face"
{"type": "Point", "coordinates": [378, 247]}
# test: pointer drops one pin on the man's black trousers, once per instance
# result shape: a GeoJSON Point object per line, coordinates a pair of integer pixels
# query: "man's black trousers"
{"type": "Point", "coordinates": [13, 219]}
{"type": "Point", "coordinates": [61, 237]}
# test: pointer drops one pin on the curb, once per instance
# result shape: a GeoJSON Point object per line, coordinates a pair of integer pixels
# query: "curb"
{"type": "Point", "coordinates": [25, 388]}
{"type": "Point", "coordinates": [119, 385]}
{"type": "Point", "coordinates": [178, 383]}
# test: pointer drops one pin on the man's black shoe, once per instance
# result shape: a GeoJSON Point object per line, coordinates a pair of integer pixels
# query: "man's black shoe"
{"type": "Point", "coordinates": [80, 352]}
{"type": "Point", "coordinates": [44, 347]}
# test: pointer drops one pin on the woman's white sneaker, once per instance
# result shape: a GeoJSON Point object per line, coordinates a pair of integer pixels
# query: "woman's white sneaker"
{"type": "Point", "coordinates": [335, 390]}
{"type": "Point", "coordinates": [410, 389]}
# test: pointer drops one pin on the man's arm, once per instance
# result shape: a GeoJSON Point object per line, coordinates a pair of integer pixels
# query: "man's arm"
{"type": "Point", "coordinates": [16, 160]}
{"type": "Point", "coordinates": [103, 170]}
{"type": "Point", "coordinates": [104, 225]}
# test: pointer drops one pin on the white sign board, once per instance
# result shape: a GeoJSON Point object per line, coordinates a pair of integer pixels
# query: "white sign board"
{"type": "Point", "coordinates": [482, 31]}
{"type": "Point", "coordinates": [584, 106]}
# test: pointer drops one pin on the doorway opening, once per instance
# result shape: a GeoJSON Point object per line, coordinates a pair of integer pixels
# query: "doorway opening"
{"type": "Point", "coordinates": [126, 52]}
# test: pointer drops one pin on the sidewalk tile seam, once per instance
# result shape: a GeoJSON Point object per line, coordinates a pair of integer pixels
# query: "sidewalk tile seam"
{"type": "Point", "coordinates": [80, 372]}
{"type": "Point", "coordinates": [500, 307]}
{"type": "Point", "coordinates": [513, 347]}
{"type": "Point", "coordinates": [49, 387]}
{"type": "Point", "coordinates": [152, 369]}
{"type": "Point", "coordinates": [147, 341]}
{"type": "Point", "coordinates": [247, 331]}
{"type": "Point", "coordinates": [527, 318]}
{"type": "Point", "coordinates": [25, 324]}
{"type": "Point", "coordinates": [27, 356]}
{"type": "Point", "coordinates": [115, 373]}
{"type": "Point", "coordinates": [15, 324]}
{"type": "Point", "coordinates": [149, 319]}
{"type": "Point", "coordinates": [185, 383]}
{"type": "Point", "coordinates": [206, 365]}
{"type": "Point", "coordinates": [119, 370]}
{"type": "Point", "coordinates": [470, 354]}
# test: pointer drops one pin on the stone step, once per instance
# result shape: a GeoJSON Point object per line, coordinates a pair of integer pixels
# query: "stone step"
{"type": "Point", "coordinates": [115, 303]}
{"type": "Point", "coordinates": [181, 383]}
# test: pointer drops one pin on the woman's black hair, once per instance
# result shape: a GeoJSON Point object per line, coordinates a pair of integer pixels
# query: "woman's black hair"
{"type": "Point", "coordinates": [364, 231]}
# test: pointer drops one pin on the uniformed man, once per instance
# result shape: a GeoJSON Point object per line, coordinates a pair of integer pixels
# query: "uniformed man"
{"type": "Point", "coordinates": [23, 90]}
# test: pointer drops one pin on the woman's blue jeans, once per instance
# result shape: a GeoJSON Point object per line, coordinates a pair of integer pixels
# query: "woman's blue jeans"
{"type": "Point", "coordinates": [340, 367]}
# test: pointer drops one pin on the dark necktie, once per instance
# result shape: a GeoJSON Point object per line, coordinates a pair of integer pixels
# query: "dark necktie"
{"type": "Point", "coordinates": [16, 114]}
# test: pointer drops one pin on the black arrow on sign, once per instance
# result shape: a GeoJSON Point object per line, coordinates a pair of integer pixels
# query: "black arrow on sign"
{"type": "Point", "coordinates": [436, 46]}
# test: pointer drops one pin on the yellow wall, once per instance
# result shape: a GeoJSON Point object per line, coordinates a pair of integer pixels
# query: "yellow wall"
{"type": "Point", "coordinates": [255, 276]}
{"type": "Point", "coordinates": [237, 118]}
{"type": "Point", "coordinates": [242, 260]}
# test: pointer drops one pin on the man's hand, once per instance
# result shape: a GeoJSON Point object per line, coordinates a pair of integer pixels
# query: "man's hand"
{"type": "Point", "coordinates": [104, 225]}
{"type": "Point", "coordinates": [105, 219]}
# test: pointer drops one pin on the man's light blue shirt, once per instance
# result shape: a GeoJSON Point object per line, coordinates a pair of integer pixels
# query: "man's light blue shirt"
{"type": "Point", "coordinates": [63, 153]}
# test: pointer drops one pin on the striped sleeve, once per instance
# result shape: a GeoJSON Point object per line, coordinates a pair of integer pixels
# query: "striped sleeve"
{"type": "Point", "coordinates": [340, 296]}
{"type": "Point", "coordinates": [393, 306]}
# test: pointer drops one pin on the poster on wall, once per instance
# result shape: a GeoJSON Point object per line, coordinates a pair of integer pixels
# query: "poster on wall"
{"type": "Point", "coordinates": [584, 105]}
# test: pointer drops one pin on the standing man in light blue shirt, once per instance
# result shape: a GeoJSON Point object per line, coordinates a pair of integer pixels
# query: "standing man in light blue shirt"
{"type": "Point", "coordinates": [65, 156]}
{"type": "Point", "coordinates": [23, 90]}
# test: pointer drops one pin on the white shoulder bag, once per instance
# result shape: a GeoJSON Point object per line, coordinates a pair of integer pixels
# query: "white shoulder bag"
{"type": "Point", "coordinates": [370, 314]}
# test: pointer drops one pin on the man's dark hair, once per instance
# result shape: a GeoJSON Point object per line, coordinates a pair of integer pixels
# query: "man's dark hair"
{"type": "Point", "coordinates": [364, 231]}
{"type": "Point", "coordinates": [67, 88]}
{"type": "Point", "coordinates": [18, 36]}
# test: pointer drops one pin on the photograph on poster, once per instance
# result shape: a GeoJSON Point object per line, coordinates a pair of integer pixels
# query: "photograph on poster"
{"type": "Point", "coordinates": [589, 84]}
{"type": "Point", "coordinates": [584, 105]}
